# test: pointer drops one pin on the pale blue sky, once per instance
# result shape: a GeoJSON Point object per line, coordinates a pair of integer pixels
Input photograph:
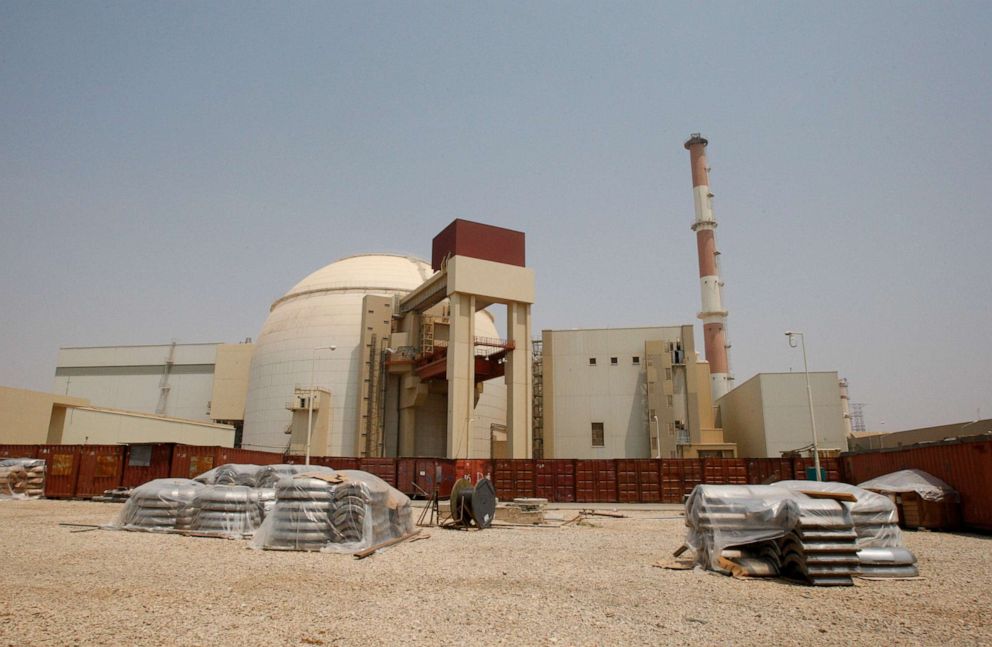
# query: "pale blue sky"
{"type": "Point", "coordinates": [168, 169]}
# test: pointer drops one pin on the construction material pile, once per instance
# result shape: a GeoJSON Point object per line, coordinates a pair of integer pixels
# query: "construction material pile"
{"type": "Point", "coordinates": [159, 506]}
{"type": "Point", "coordinates": [22, 478]}
{"type": "Point", "coordinates": [922, 499]}
{"type": "Point", "coordinates": [334, 511]}
{"type": "Point", "coordinates": [823, 533]}
{"type": "Point", "coordinates": [233, 511]}
{"type": "Point", "coordinates": [231, 474]}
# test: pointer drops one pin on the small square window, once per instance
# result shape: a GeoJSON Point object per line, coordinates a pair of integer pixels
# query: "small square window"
{"type": "Point", "coordinates": [592, 361]}
{"type": "Point", "coordinates": [598, 435]}
{"type": "Point", "coordinates": [636, 359]}
{"type": "Point", "coordinates": [613, 361]}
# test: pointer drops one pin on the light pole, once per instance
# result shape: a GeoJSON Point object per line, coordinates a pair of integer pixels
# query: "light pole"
{"type": "Point", "coordinates": [657, 433]}
{"type": "Point", "coordinates": [791, 334]}
{"type": "Point", "coordinates": [313, 370]}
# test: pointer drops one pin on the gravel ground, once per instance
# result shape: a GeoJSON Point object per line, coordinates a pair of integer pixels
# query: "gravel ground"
{"type": "Point", "coordinates": [576, 585]}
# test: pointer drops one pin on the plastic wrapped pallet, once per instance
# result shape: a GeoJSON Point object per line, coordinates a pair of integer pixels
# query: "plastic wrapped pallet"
{"type": "Point", "coordinates": [928, 486]}
{"type": "Point", "coordinates": [722, 516]}
{"type": "Point", "coordinates": [160, 505]}
{"type": "Point", "coordinates": [232, 511]}
{"type": "Point", "coordinates": [876, 520]}
{"type": "Point", "coordinates": [231, 474]}
{"type": "Point", "coordinates": [331, 511]}
{"type": "Point", "coordinates": [269, 475]}
{"type": "Point", "coordinates": [22, 478]}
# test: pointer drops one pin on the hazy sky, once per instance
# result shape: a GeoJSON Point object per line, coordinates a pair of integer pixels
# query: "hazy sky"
{"type": "Point", "coordinates": [167, 170]}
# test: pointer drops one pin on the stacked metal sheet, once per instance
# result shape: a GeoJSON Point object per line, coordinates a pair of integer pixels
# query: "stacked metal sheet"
{"type": "Point", "coordinates": [161, 505]}
{"type": "Point", "coordinates": [777, 529]}
{"type": "Point", "coordinates": [227, 510]}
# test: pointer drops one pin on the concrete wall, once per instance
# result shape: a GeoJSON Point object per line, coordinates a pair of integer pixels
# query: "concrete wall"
{"type": "Point", "coordinates": [131, 377]}
{"type": "Point", "coordinates": [769, 414]}
{"type": "Point", "coordinates": [576, 394]}
{"type": "Point", "coordinates": [25, 416]}
{"type": "Point", "coordinates": [94, 426]}
{"type": "Point", "coordinates": [230, 385]}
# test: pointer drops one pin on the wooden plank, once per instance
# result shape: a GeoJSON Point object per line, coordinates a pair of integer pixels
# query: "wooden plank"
{"type": "Point", "coordinates": [362, 554]}
{"type": "Point", "coordinates": [836, 496]}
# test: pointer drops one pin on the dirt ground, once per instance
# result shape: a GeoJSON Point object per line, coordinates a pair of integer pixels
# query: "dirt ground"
{"type": "Point", "coordinates": [575, 585]}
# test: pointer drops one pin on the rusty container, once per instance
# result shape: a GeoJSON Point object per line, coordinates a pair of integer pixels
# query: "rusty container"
{"type": "Point", "coordinates": [473, 469]}
{"type": "Point", "coordinates": [724, 471]}
{"type": "Point", "coordinates": [768, 470]}
{"type": "Point", "coordinates": [146, 462]}
{"type": "Point", "coordinates": [554, 479]}
{"type": "Point", "coordinates": [965, 465]}
{"type": "Point", "coordinates": [247, 456]}
{"type": "Point", "coordinates": [384, 468]}
{"type": "Point", "coordinates": [189, 461]}
{"type": "Point", "coordinates": [595, 481]}
{"type": "Point", "coordinates": [513, 478]}
{"type": "Point", "coordinates": [18, 451]}
{"type": "Point", "coordinates": [61, 470]}
{"type": "Point", "coordinates": [101, 468]}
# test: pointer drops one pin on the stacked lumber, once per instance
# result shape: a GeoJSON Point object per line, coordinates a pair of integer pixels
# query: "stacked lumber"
{"type": "Point", "coordinates": [22, 478]}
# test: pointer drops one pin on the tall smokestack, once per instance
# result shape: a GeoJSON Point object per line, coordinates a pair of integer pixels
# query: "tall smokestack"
{"type": "Point", "coordinates": [713, 315]}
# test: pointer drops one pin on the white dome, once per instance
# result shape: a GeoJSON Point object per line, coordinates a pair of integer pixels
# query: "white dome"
{"type": "Point", "coordinates": [368, 273]}
{"type": "Point", "coordinates": [322, 310]}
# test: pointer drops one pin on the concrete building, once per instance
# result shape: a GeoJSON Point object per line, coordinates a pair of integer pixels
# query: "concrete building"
{"type": "Point", "coordinates": [34, 418]}
{"type": "Point", "coordinates": [626, 393]}
{"type": "Point", "coordinates": [769, 414]}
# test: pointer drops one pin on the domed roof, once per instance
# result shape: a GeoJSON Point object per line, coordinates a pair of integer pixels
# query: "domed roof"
{"type": "Point", "coordinates": [365, 272]}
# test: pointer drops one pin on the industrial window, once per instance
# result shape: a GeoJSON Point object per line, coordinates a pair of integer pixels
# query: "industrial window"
{"type": "Point", "coordinates": [592, 361]}
{"type": "Point", "coordinates": [598, 436]}
{"type": "Point", "coordinates": [637, 360]}
{"type": "Point", "coordinates": [613, 361]}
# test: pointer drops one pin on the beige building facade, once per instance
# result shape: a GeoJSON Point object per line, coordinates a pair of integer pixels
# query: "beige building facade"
{"type": "Point", "coordinates": [36, 418]}
{"type": "Point", "coordinates": [769, 414]}
{"type": "Point", "coordinates": [626, 393]}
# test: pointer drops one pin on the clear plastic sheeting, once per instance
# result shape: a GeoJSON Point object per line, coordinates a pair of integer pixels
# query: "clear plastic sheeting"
{"type": "Point", "coordinates": [160, 505]}
{"type": "Point", "coordinates": [22, 478]}
{"type": "Point", "coordinates": [231, 474]}
{"type": "Point", "coordinates": [778, 529]}
{"type": "Point", "coordinates": [876, 520]}
{"type": "Point", "coordinates": [233, 511]}
{"type": "Point", "coordinates": [928, 486]}
{"type": "Point", "coordinates": [269, 475]}
{"type": "Point", "coordinates": [330, 511]}
{"type": "Point", "coordinates": [723, 516]}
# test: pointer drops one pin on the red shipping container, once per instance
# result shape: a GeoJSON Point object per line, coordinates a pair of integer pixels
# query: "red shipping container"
{"type": "Point", "coordinates": [147, 462]}
{"type": "Point", "coordinates": [513, 478]}
{"type": "Point", "coordinates": [965, 465]}
{"type": "Point", "coordinates": [189, 461]}
{"type": "Point", "coordinates": [384, 468]}
{"type": "Point", "coordinates": [237, 456]}
{"type": "Point", "coordinates": [61, 469]}
{"type": "Point", "coordinates": [554, 479]}
{"type": "Point", "coordinates": [473, 468]}
{"type": "Point", "coordinates": [101, 468]}
{"type": "Point", "coordinates": [768, 470]}
{"type": "Point", "coordinates": [595, 481]}
{"type": "Point", "coordinates": [18, 451]}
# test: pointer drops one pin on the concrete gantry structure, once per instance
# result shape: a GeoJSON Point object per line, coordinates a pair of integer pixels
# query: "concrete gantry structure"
{"type": "Point", "coordinates": [477, 266]}
{"type": "Point", "coordinates": [713, 314]}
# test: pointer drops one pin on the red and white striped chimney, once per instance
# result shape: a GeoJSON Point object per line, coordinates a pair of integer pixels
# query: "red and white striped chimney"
{"type": "Point", "coordinates": [713, 314]}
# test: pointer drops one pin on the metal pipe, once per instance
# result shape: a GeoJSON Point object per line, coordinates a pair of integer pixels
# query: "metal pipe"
{"type": "Point", "coordinates": [657, 433]}
{"type": "Point", "coordinates": [809, 394]}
